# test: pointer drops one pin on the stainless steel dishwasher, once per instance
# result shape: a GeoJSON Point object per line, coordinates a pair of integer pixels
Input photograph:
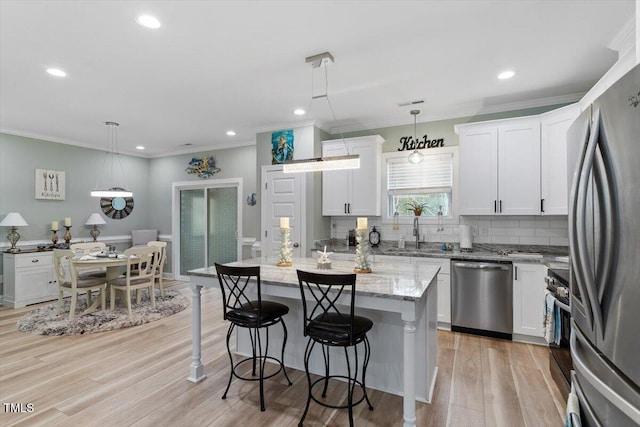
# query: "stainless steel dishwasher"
{"type": "Point", "coordinates": [482, 298]}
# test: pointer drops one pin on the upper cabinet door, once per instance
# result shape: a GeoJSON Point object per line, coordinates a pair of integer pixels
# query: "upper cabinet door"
{"type": "Point", "coordinates": [353, 191]}
{"type": "Point", "coordinates": [335, 184]}
{"type": "Point", "coordinates": [478, 157]}
{"type": "Point", "coordinates": [554, 169]}
{"type": "Point", "coordinates": [519, 168]}
{"type": "Point", "coordinates": [366, 181]}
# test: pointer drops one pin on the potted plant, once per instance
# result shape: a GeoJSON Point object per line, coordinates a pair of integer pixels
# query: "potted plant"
{"type": "Point", "coordinates": [416, 207]}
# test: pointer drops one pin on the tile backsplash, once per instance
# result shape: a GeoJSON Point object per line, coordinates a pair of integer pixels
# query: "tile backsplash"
{"type": "Point", "coordinates": [527, 230]}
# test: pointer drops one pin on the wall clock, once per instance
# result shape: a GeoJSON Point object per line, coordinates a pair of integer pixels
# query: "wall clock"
{"type": "Point", "coordinates": [116, 207]}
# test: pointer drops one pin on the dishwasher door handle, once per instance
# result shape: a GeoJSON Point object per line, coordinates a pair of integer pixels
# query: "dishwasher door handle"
{"type": "Point", "coordinates": [481, 266]}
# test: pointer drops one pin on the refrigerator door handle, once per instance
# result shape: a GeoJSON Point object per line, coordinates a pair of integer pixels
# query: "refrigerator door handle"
{"type": "Point", "coordinates": [581, 226]}
{"type": "Point", "coordinates": [604, 175]}
{"type": "Point", "coordinates": [577, 211]}
{"type": "Point", "coordinates": [627, 408]}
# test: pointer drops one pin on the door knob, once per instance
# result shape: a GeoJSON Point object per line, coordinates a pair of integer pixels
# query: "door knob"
{"type": "Point", "coordinates": [296, 245]}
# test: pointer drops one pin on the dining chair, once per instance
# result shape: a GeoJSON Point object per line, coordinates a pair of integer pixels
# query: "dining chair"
{"type": "Point", "coordinates": [244, 311]}
{"type": "Point", "coordinates": [162, 247]}
{"type": "Point", "coordinates": [70, 281]}
{"type": "Point", "coordinates": [82, 249]}
{"type": "Point", "coordinates": [139, 274]}
{"type": "Point", "coordinates": [327, 323]}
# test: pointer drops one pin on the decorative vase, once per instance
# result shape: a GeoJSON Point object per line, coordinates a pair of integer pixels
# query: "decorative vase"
{"type": "Point", "coordinates": [284, 259]}
{"type": "Point", "coordinates": [362, 252]}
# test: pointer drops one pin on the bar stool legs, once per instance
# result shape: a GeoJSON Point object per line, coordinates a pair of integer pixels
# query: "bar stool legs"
{"type": "Point", "coordinates": [257, 356]}
{"type": "Point", "coordinates": [352, 380]}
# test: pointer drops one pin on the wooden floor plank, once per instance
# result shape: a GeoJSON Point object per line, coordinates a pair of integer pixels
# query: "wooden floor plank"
{"type": "Point", "coordinates": [137, 377]}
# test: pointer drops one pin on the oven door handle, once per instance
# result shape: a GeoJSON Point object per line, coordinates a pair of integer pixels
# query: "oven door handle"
{"type": "Point", "coordinates": [563, 306]}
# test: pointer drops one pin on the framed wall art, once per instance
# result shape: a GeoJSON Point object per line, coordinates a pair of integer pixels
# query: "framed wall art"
{"type": "Point", "coordinates": [281, 146]}
{"type": "Point", "coordinates": [50, 184]}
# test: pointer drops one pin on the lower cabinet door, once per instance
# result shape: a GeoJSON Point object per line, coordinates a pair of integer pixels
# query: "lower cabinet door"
{"type": "Point", "coordinates": [528, 299]}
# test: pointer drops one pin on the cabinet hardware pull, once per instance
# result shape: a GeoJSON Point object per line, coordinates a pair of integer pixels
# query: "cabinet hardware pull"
{"type": "Point", "coordinates": [542, 205]}
{"type": "Point", "coordinates": [345, 208]}
{"type": "Point", "coordinates": [516, 268]}
{"type": "Point", "coordinates": [500, 206]}
{"type": "Point", "coordinates": [35, 260]}
{"type": "Point", "coordinates": [495, 206]}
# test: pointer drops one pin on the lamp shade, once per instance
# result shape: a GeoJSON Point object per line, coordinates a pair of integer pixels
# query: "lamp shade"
{"type": "Point", "coordinates": [95, 219]}
{"type": "Point", "coordinates": [13, 219]}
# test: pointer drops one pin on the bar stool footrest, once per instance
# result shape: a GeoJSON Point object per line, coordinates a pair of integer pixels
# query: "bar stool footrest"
{"type": "Point", "coordinates": [257, 376]}
{"type": "Point", "coordinates": [328, 405]}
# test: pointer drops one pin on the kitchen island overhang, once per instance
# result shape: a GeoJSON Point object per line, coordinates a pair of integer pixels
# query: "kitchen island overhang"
{"type": "Point", "coordinates": [401, 300]}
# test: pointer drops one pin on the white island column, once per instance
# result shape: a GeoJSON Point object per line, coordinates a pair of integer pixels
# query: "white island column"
{"type": "Point", "coordinates": [409, 364]}
{"type": "Point", "coordinates": [197, 370]}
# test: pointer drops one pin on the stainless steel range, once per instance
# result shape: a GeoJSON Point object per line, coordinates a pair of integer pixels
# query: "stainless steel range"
{"type": "Point", "coordinates": [560, 363]}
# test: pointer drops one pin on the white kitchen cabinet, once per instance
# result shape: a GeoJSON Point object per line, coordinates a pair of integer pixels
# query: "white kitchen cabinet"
{"type": "Point", "coordinates": [353, 191]}
{"type": "Point", "coordinates": [555, 171]}
{"type": "Point", "coordinates": [444, 286]}
{"type": "Point", "coordinates": [28, 278]}
{"type": "Point", "coordinates": [500, 167]}
{"type": "Point", "coordinates": [528, 299]}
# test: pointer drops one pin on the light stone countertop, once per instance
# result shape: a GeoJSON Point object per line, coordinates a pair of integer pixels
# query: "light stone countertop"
{"type": "Point", "coordinates": [481, 252]}
{"type": "Point", "coordinates": [387, 280]}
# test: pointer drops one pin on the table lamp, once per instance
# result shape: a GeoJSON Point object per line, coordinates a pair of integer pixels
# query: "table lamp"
{"type": "Point", "coordinates": [13, 220]}
{"type": "Point", "coordinates": [95, 220]}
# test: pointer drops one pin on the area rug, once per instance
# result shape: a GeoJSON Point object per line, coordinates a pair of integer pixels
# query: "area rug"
{"type": "Point", "coordinates": [46, 321]}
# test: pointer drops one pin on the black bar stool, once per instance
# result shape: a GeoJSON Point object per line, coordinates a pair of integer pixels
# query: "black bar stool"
{"type": "Point", "coordinates": [326, 325]}
{"type": "Point", "coordinates": [254, 315]}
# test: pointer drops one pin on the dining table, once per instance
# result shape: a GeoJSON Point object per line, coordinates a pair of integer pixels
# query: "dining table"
{"type": "Point", "coordinates": [91, 262]}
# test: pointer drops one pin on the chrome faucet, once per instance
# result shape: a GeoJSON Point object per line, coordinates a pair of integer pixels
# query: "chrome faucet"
{"type": "Point", "coordinates": [416, 231]}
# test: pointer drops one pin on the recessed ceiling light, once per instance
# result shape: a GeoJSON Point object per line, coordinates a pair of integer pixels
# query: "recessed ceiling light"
{"type": "Point", "coordinates": [299, 112]}
{"type": "Point", "coordinates": [56, 72]}
{"type": "Point", "coordinates": [148, 21]}
{"type": "Point", "coordinates": [231, 133]}
{"type": "Point", "coordinates": [139, 147]}
{"type": "Point", "coordinates": [506, 74]}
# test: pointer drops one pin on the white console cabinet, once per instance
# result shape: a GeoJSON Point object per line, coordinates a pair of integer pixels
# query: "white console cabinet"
{"type": "Point", "coordinates": [28, 278]}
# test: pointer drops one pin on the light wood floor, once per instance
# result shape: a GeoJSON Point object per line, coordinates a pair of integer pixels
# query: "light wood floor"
{"type": "Point", "coordinates": [137, 377]}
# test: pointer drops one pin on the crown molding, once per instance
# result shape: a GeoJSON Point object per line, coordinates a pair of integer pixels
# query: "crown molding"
{"type": "Point", "coordinates": [625, 39]}
{"type": "Point", "coordinates": [462, 110]}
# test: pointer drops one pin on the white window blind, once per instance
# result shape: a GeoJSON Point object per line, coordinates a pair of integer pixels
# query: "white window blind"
{"type": "Point", "coordinates": [435, 172]}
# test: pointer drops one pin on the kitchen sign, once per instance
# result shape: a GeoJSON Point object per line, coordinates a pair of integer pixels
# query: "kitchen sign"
{"type": "Point", "coordinates": [410, 144]}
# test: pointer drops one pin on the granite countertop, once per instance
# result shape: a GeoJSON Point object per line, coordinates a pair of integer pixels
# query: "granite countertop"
{"type": "Point", "coordinates": [552, 256]}
{"type": "Point", "coordinates": [387, 280]}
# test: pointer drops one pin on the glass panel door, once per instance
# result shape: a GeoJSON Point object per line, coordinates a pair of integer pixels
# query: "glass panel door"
{"type": "Point", "coordinates": [208, 227]}
{"type": "Point", "coordinates": [193, 230]}
{"type": "Point", "coordinates": [222, 228]}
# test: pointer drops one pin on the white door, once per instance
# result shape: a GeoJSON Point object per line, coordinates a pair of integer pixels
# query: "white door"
{"type": "Point", "coordinates": [281, 197]}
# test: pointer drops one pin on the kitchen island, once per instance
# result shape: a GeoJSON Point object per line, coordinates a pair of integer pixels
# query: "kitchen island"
{"type": "Point", "coordinates": [400, 299]}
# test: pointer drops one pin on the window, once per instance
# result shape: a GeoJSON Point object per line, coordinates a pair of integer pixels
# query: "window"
{"type": "Point", "coordinates": [429, 185]}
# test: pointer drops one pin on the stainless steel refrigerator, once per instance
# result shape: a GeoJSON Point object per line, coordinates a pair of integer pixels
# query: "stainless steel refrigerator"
{"type": "Point", "coordinates": [604, 239]}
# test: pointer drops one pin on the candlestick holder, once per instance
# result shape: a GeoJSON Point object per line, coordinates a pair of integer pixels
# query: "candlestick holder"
{"type": "Point", "coordinates": [67, 234]}
{"type": "Point", "coordinates": [54, 236]}
{"type": "Point", "coordinates": [362, 252]}
{"type": "Point", "coordinates": [284, 259]}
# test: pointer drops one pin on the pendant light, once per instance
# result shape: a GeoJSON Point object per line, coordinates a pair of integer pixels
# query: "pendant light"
{"type": "Point", "coordinates": [415, 157]}
{"type": "Point", "coordinates": [112, 145]}
{"type": "Point", "coordinates": [350, 161]}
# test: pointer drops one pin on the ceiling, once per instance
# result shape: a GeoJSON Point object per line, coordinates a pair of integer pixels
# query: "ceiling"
{"type": "Point", "coordinates": [215, 66]}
